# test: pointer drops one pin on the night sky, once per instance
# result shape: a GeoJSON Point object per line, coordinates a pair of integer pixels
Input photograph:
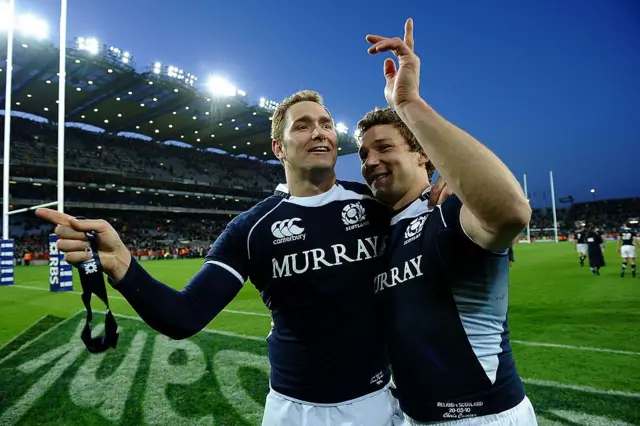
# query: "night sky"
{"type": "Point", "coordinates": [547, 85]}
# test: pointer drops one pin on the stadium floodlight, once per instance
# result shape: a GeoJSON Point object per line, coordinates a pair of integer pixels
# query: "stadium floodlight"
{"type": "Point", "coordinates": [27, 24]}
{"type": "Point", "coordinates": [190, 79]}
{"type": "Point", "coordinates": [356, 133]}
{"type": "Point", "coordinates": [32, 26]}
{"type": "Point", "coordinates": [173, 72]}
{"type": "Point", "coordinates": [118, 54]}
{"type": "Point", "coordinates": [89, 45]}
{"type": "Point", "coordinates": [268, 104]}
{"type": "Point", "coordinates": [342, 128]}
{"type": "Point", "coordinates": [5, 16]}
{"type": "Point", "coordinates": [221, 87]}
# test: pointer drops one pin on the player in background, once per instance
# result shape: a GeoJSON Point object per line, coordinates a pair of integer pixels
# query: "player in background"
{"type": "Point", "coordinates": [312, 252]}
{"type": "Point", "coordinates": [511, 257]}
{"type": "Point", "coordinates": [627, 244]}
{"type": "Point", "coordinates": [444, 294]}
{"type": "Point", "coordinates": [595, 249]}
{"type": "Point", "coordinates": [581, 244]}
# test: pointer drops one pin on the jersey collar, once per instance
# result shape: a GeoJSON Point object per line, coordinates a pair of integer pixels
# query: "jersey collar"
{"type": "Point", "coordinates": [282, 190]}
{"type": "Point", "coordinates": [416, 208]}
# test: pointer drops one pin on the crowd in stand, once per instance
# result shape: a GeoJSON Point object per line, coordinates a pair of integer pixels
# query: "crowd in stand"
{"type": "Point", "coordinates": [607, 215]}
{"type": "Point", "coordinates": [149, 221]}
{"type": "Point", "coordinates": [36, 144]}
{"type": "Point", "coordinates": [155, 236]}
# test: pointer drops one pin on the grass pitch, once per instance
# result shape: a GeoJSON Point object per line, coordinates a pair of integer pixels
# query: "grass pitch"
{"type": "Point", "coordinates": [575, 340]}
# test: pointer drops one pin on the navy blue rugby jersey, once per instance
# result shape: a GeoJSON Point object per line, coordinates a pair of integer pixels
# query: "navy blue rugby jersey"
{"type": "Point", "coordinates": [313, 260]}
{"type": "Point", "coordinates": [444, 301]}
{"type": "Point", "coordinates": [626, 237]}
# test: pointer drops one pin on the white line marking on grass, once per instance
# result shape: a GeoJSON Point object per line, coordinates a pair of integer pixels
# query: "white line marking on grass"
{"type": "Point", "coordinates": [538, 382]}
{"type": "Point", "coordinates": [230, 311]}
{"type": "Point", "coordinates": [587, 389]}
{"type": "Point", "coordinates": [577, 348]}
{"type": "Point", "coordinates": [546, 383]}
{"type": "Point", "coordinates": [40, 336]}
{"type": "Point", "coordinates": [207, 330]}
{"type": "Point", "coordinates": [260, 314]}
{"type": "Point", "coordinates": [585, 419]}
{"type": "Point", "coordinates": [23, 332]}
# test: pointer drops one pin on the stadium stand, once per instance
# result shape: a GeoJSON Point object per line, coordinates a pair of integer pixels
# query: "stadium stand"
{"type": "Point", "coordinates": [608, 215]}
{"type": "Point", "coordinates": [180, 200]}
{"type": "Point", "coordinates": [169, 161]}
{"type": "Point", "coordinates": [165, 200]}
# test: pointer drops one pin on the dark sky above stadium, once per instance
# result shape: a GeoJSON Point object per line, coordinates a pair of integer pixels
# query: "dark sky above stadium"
{"type": "Point", "coordinates": [548, 85]}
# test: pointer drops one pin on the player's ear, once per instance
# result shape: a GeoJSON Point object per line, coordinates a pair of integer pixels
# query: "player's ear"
{"type": "Point", "coordinates": [422, 158]}
{"type": "Point", "coordinates": [278, 149]}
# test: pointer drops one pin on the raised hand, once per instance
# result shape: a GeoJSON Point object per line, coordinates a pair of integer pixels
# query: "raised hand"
{"type": "Point", "coordinates": [403, 82]}
{"type": "Point", "coordinates": [73, 241]}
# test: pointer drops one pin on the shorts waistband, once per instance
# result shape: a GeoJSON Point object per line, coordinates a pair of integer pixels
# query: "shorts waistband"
{"type": "Point", "coordinates": [336, 404]}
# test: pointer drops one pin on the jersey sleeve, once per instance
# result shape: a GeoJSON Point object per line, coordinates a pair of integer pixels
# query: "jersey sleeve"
{"type": "Point", "coordinates": [230, 251]}
{"type": "Point", "coordinates": [180, 314]}
{"type": "Point", "coordinates": [453, 243]}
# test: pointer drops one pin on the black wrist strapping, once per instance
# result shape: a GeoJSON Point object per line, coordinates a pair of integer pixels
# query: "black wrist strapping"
{"type": "Point", "coordinates": [92, 281]}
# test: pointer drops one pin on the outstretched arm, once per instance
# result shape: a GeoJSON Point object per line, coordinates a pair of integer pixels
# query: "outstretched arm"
{"type": "Point", "coordinates": [178, 314]}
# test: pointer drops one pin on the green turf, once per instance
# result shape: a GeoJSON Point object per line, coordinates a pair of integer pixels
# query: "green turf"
{"type": "Point", "coordinates": [222, 379]}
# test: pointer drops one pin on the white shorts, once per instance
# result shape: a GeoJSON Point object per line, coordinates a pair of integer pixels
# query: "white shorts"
{"type": "Point", "coordinates": [379, 408]}
{"type": "Point", "coordinates": [582, 248]}
{"type": "Point", "coordinates": [628, 251]}
{"type": "Point", "coordinates": [520, 415]}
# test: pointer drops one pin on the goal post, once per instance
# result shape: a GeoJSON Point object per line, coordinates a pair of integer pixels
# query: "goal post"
{"type": "Point", "coordinates": [541, 234]}
{"type": "Point", "coordinates": [60, 272]}
{"type": "Point", "coordinates": [7, 253]}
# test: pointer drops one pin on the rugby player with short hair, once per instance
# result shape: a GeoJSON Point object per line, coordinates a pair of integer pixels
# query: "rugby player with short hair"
{"type": "Point", "coordinates": [581, 244]}
{"type": "Point", "coordinates": [627, 244]}
{"type": "Point", "coordinates": [312, 252]}
{"type": "Point", "coordinates": [444, 294]}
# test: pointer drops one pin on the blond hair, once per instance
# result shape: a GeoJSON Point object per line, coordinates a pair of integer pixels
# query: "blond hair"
{"type": "Point", "coordinates": [278, 119]}
{"type": "Point", "coordinates": [388, 116]}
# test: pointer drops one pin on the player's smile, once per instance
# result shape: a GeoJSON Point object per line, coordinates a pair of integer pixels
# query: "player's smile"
{"type": "Point", "coordinates": [322, 149]}
{"type": "Point", "coordinates": [379, 179]}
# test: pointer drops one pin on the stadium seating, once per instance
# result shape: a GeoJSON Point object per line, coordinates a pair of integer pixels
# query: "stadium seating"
{"type": "Point", "coordinates": [172, 201]}
{"type": "Point", "coordinates": [182, 199]}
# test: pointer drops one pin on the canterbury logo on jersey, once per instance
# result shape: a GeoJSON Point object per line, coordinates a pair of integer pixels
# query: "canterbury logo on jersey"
{"type": "Point", "coordinates": [354, 216]}
{"type": "Point", "coordinates": [287, 230]}
{"type": "Point", "coordinates": [318, 258]}
{"type": "Point", "coordinates": [397, 275]}
{"type": "Point", "coordinates": [414, 229]}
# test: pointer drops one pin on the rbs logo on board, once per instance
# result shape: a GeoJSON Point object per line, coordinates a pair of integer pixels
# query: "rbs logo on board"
{"type": "Point", "coordinates": [54, 263]}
